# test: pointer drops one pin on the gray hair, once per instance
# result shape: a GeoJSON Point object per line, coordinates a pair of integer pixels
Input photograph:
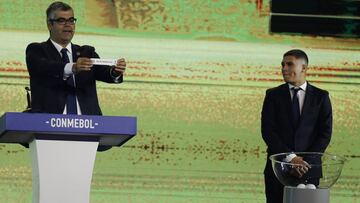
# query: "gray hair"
{"type": "Point", "coordinates": [57, 5]}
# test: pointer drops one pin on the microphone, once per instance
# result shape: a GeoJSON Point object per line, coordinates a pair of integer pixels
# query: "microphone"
{"type": "Point", "coordinates": [28, 108]}
{"type": "Point", "coordinates": [85, 51]}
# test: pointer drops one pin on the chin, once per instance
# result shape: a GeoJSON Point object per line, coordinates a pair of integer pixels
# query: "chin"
{"type": "Point", "coordinates": [66, 40]}
{"type": "Point", "coordinates": [289, 81]}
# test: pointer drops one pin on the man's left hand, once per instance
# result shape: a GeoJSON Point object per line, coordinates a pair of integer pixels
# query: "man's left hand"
{"type": "Point", "coordinates": [120, 67]}
{"type": "Point", "coordinates": [300, 167]}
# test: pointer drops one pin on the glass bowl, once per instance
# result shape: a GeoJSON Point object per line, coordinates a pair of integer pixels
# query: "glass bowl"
{"type": "Point", "coordinates": [323, 171]}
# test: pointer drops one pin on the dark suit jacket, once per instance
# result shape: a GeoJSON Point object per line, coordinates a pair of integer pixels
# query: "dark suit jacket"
{"type": "Point", "coordinates": [49, 89]}
{"type": "Point", "coordinates": [312, 133]}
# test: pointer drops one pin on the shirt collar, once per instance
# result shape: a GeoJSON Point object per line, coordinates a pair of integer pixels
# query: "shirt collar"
{"type": "Point", "coordinates": [59, 47]}
{"type": "Point", "coordinates": [303, 86]}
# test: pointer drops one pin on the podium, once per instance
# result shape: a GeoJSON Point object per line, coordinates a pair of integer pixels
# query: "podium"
{"type": "Point", "coordinates": [63, 149]}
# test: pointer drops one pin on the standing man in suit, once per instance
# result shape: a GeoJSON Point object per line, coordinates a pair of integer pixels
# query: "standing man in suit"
{"type": "Point", "coordinates": [296, 117]}
{"type": "Point", "coordinates": [62, 76]}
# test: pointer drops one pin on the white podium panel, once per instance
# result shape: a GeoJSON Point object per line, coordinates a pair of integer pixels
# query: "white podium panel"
{"type": "Point", "coordinates": [62, 170]}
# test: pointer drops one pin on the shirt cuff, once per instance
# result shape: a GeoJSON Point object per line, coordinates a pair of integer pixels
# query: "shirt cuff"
{"type": "Point", "coordinates": [115, 78]}
{"type": "Point", "coordinates": [68, 70]}
{"type": "Point", "coordinates": [289, 157]}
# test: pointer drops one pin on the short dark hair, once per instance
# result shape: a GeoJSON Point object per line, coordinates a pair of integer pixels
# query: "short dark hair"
{"type": "Point", "coordinates": [57, 5]}
{"type": "Point", "coordinates": [297, 53]}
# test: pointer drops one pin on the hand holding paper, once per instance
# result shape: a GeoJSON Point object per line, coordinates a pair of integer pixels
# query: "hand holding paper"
{"type": "Point", "coordinates": [85, 64]}
{"type": "Point", "coordinates": [82, 64]}
{"type": "Point", "coordinates": [120, 67]}
{"type": "Point", "coordinates": [105, 62]}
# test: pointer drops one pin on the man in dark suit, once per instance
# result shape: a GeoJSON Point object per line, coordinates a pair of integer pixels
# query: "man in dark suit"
{"type": "Point", "coordinates": [296, 117]}
{"type": "Point", "coordinates": [62, 76]}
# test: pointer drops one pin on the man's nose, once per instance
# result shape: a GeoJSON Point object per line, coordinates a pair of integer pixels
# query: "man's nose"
{"type": "Point", "coordinates": [284, 67]}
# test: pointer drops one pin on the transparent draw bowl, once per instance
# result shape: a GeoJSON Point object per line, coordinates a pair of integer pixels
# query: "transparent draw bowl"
{"type": "Point", "coordinates": [323, 169]}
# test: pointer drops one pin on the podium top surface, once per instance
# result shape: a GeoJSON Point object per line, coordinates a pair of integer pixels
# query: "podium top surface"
{"type": "Point", "coordinates": [23, 127]}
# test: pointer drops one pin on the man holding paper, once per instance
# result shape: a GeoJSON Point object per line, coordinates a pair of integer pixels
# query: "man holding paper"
{"type": "Point", "coordinates": [62, 74]}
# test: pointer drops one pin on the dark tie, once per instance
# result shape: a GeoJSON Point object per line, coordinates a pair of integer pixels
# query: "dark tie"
{"type": "Point", "coordinates": [71, 97]}
{"type": "Point", "coordinates": [295, 106]}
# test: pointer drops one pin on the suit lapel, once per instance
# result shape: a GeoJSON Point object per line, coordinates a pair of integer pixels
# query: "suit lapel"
{"type": "Point", "coordinates": [75, 52]}
{"type": "Point", "coordinates": [75, 55]}
{"type": "Point", "coordinates": [286, 101]}
{"type": "Point", "coordinates": [52, 50]}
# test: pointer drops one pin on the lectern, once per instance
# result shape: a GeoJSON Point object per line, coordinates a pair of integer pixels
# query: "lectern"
{"type": "Point", "coordinates": [63, 149]}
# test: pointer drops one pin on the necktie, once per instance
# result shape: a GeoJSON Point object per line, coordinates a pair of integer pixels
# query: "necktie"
{"type": "Point", "coordinates": [71, 97]}
{"type": "Point", "coordinates": [295, 106]}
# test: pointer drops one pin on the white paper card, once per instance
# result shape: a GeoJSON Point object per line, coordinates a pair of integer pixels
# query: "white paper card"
{"type": "Point", "coordinates": [106, 62]}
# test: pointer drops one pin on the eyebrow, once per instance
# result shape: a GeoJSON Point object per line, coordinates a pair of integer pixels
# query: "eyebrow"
{"type": "Point", "coordinates": [63, 18]}
{"type": "Point", "coordinates": [287, 62]}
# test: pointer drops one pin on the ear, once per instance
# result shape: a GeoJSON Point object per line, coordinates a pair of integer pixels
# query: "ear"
{"type": "Point", "coordinates": [49, 25]}
{"type": "Point", "coordinates": [304, 67]}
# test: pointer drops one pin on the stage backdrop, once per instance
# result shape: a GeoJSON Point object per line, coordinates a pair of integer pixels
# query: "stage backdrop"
{"type": "Point", "coordinates": [196, 78]}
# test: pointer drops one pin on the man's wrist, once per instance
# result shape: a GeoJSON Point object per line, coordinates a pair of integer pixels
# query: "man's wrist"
{"type": "Point", "coordinates": [290, 157]}
{"type": "Point", "coordinates": [114, 74]}
{"type": "Point", "coordinates": [73, 68]}
{"type": "Point", "coordinates": [68, 70]}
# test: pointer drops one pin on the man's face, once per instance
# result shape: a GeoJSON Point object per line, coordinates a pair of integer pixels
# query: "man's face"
{"type": "Point", "coordinates": [293, 70]}
{"type": "Point", "coordinates": [62, 33]}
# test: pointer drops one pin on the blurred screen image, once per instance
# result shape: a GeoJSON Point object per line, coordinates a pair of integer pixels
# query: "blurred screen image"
{"type": "Point", "coordinates": [197, 72]}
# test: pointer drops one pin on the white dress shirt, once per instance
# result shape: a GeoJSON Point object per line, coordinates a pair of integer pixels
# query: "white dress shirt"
{"type": "Point", "coordinates": [300, 94]}
{"type": "Point", "coordinates": [301, 97]}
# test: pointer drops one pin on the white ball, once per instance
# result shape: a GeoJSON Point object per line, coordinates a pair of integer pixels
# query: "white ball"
{"type": "Point", "coordinates": [302, 186]}
{"type": "Point", "coordinates": [310, 186]}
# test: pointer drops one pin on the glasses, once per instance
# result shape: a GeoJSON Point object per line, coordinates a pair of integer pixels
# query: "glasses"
{"type": "Point", "coordinates": [63, 21]}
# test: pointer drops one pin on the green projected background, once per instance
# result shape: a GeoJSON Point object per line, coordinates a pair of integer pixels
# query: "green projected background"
{"type": "Point", "coordinates": [196, 79]}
